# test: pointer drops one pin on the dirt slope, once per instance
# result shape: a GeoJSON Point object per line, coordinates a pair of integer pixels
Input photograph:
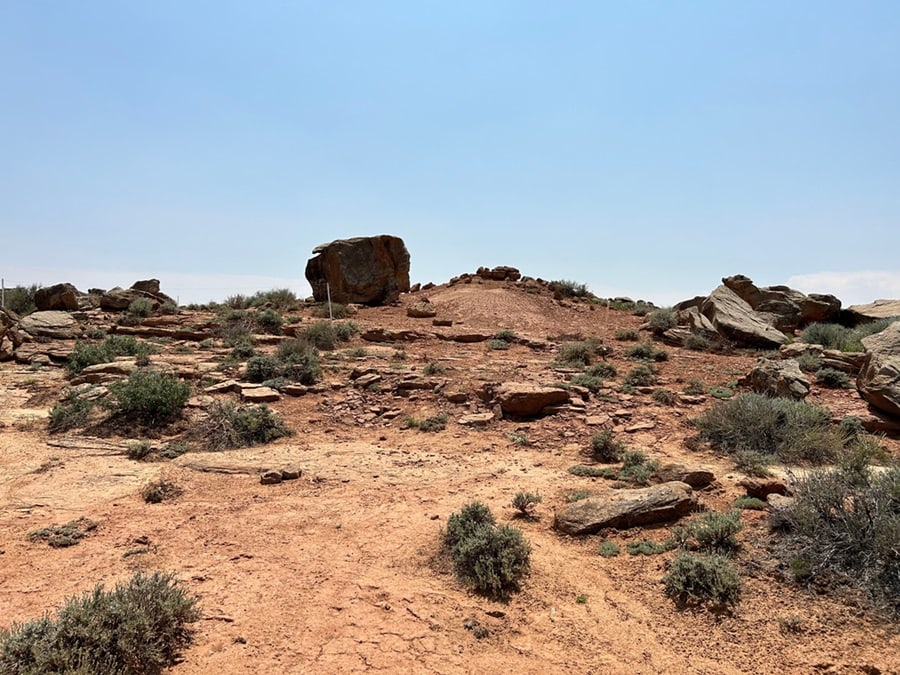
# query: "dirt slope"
{"type": "Point", "coordinates": [341, 570]}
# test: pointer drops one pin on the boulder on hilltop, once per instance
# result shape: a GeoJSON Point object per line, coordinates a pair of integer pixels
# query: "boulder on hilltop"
{"type": "Point", "coordinates": [63, 297]}
{"type": "Point", "coordinates": [364, 270]}
{"type": "Point", "coordinates": [118, 299]}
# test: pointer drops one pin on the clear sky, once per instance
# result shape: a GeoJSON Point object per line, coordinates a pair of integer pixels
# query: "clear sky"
{"type": "Point", "coordinates": [644, 148]}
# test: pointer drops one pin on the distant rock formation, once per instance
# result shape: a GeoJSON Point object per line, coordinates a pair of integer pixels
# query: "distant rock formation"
{"type": "Point", "coordinates": [118, 299]}
{"type": "Point", "coordinates": [746, 314]}
{"type": "Point", "coordinates": [880, 309]}
{"type": "Point", "coordinates": [364, 270]}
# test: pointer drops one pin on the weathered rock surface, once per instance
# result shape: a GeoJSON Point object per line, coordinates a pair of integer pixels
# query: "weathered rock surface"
{"type": "Point", "coordinates": [626, 508]}
{"type": "Point", "coordinates": [783, 307]}
{"type": "Point", "coordinates": [761, 488]}
{"type": "Point", "coordinates": [365, 270]}
{"type": "Point", "coordinates": [527, 400]}
{"type": "Point", "coordinates": [422, 310]}
{"type": "Point", "coordinates": [10, 336]}
{"type": "Point", "coordinates": [880, 309]}
{"type": "Point", "coordinates": [64, 297]}
{"type": "Point", "coordinates": [735, 320]}
{"type": "Point", "coordinates": [778, 378]}
{"type": "Point", "coordinates": [118, 299]}
{"type": "Point", "coordinates": [499, 273]}
{"type": "Point", "coordinates": [52, 324]}
{"type": "Point", "coordinates": [696, 477]}
{"type": "Point", "coordinates": [879, 378]}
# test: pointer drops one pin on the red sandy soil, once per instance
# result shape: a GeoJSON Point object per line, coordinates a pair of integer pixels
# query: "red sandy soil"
{"type": "Point", "coordinates": [342, 570]}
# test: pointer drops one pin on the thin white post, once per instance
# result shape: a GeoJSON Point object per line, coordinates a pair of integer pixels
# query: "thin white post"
{"type": "Point", "coordinates": [3, 293]}
{"type": "Point", "coordinates": [328, 291]}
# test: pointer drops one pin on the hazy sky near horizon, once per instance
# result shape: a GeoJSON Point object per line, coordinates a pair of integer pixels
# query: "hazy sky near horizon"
{"type": "Point", "coordinates": [643, 148]}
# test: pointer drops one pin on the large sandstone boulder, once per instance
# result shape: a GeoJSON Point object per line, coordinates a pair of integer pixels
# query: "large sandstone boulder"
{"type": "Point", "coordinates": [365, 270]}
{"type": "Point", "coordinates": [10, 337]}
{"type": "Point", "coordinates": [880, 309]}
{"type": "Point", "coordinates": [50, 324]}
{"type": "Point", "coordinates": [58, 297]}
{"type": "Point", "coordinates": [735, 320]}
{"type": "Point", "coordinates": [118, 299]}
{"type": "Point", "coordinates": [879, 378]}
{"type": "Point", "coordinates": [528, 400]}
{"type": "Point", "coordinates": [783, 307]}
{"type": "Point", "coordinates": [777, 378]}
{"type": "Point", "coordinates": [626, 508]}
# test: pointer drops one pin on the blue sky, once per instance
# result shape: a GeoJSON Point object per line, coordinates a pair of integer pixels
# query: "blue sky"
{"type": "Point", "coordinates": [644, 148]}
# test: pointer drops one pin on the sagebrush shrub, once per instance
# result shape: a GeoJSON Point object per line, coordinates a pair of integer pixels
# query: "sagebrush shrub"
{"type": "Point", "coordinates": [753, 427]}
{"type": "Point", "coordinates": [160, 490]}
{"type": "Point", "coordinates": [149, 396]}
{"type": "Point", "coordinates": [569, 289]}
{"type": "Point", "coordinates": [91, 353]}
{"type": "Point", "coordinates": [605, 448]}
{"type": "Point", "coordinates": [490, 558]}
{"type": "Point", "coordinates": [645, 351]}
{"type": "Point", "coordinates": [627, 335]}
{"type": "Point", "coordinates": [847, 520]}
{"type": "Point", "coordinates": [833, 379]}
{"type": "Point", "coordinates": [715, 532]}
{"type": "Point", "coordinates": [694, 579]}
{"type": "Point", "coordinates": [138, 628]}
{"type": "Point", "coordinates": [262, 368]}
{"type": "Point", "coordinates": [71, 412]}
{"type": "Point", "coordinates": [230, 426]}
{"type": "Point", "coordinates": [269, 321]}
{"type": "Point", "coordinates": [525, 502]}
{"type": "Point", "coordinates": [661, 320]}
{"type": "Point", "coordinates": [640, 376]}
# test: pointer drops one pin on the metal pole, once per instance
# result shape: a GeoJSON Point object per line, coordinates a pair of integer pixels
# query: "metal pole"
{"type": "Point", "coordinates": [328, 291]}
{"type": "Point", "coordinates": [3, 293]}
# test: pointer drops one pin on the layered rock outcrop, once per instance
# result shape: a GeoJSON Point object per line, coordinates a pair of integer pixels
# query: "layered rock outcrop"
{"type": "Point", "coordinates": [364, 270]}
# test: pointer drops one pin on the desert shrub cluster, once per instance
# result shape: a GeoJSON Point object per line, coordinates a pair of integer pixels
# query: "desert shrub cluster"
{"type": "Point", "coordinates": [149, 397]}
{"type": "Point", "coordinates": [836, 336]}
{"type": "Point", "coordinates": [230, 426]}
{"type": "Point", "coordinates": [138, 628]}
{"type": "Point", "coordinates": [846, 522]}
{"type": "Point", "coordinates": [758, 430]}
{"type": "Point", "coordinates": [91, 353]}
{"type": "Point", "coordinates": [490, 558]}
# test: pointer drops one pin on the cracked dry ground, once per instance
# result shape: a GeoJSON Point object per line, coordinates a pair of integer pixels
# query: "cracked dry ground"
{"type": "Point", "coordinates": [341, 571]}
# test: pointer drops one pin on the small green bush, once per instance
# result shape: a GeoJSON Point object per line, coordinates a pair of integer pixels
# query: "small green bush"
{"type": "Point", "coordinates": [569, 289]}
{"type": "Point", "coordinates": [833, 379]}
{"type": "Point", "coordinates": [338, 311]}
{"type": "Point", "coordinates": [434, 423]}
{"type": "Point", "coordinates": [695, 388]}
{"type": "Point", "coordinates": [590, 382]}
{"type": "Point", "coordinates": [715, 532]}
{"type": "Point", "coordinates": [150, 397]}
{"type": "Point", "coordinates": [640, 376]}
{"type": "Point", "coordinates": [243, 347]}
{"type": "Point", "coordinates": [63, 536]}
{"type": "Point", "coordinates": [160, 490]}
{"type": "Point", "coordinates": [645, 547]}
{"type": "Point", "coordinates": [90, 353]}
{"type": "Point", "coordinates": [750, 503]}
{"type": "Point", "coordinates": [604, 370]}
{"type": "Point", "coordinates": [664, 396]}
{"type": "Point", "coordinates": [645, 351]}
{"type": "Point", "coordinates": [576, 354]}
{"type": "Point", "coordinates": [592, 471]}
{"type": "Point", "coordinates": [712, 580]}
{"type": "Point", "coordinates": [506, 336]}
{"type": "Point", "coordinates": [829, 335]}
{"type": "Point", "coordinates": [140, 307]}
{"type": "Point", "coordinates": [578, 495]}
{"type": "Point", "coordinates": [282, 299]}
{"type": "Point", "coordinates": [525, 502]}
{"type": "Point", "coordinates": [138, 450]}
{"type": "Point", "coordinates": [269, 321]}
{"type": "Point", "coordinates": [497, 345]}
{"type": "Point", "coordinates": [299, 361]}
{"type": "Point", "coordinates": [637, 468]}
{"type": "Point", "coordinates": [809, 362]}
{"type": "Point", "coordinates": [661, 320]}
{"type": "Point", "coordinates": [433, 368]}
{"type": "Point", "coordinates": [605, 448]}
{"type": "Point", "coordinates": [71, 412]}
{"type": "Point", "coordinates": [229, 426]}
{"type": "Point", "coordinates": [492, 559]}
{"type": "Point", "coordinates": [20, 299]}
{"type": "Point", "coordinates": [262, 368]}
{"type": "Point", "coordinates": [699, 343]}
{"type": "Point", "coordinates": [608, 549]}
{"type": "Point", "coordinates": [721, 393]}
{"type": "Point", "coordinates": [138, 628]}
{"type": "Point", "coordinates": [627, 335]}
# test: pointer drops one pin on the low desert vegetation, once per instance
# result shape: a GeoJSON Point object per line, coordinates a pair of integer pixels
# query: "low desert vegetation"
{"type": "Point", "coordinates": [524, 502]}
{"type": "Point", "coordinates": [138, 628]}
{"type": "Point", "coordinates": [149, 397]}
{"type": "Point", "coordinates": [570, 289]}
{"type": "Point", "coordinates": [709, 580]}
{"type": "Point", "coordinates": [433, 423]}
{"type": "Point", "coordinates": [91, 353]}
{"type": "Point", "coordinates": [608, 549]}
{"type": "Point", "coordinates": [836, 336]}
{"type": "Point", "coordinates": [758, 430]}
{"type": "Point", "coordinates": [20, 299]}
{"type": "Point", "coordinates": [229, 426]}
{"type": "Point", "coordinates": [845, 522]}
{"type": "Point", "coordinates": [627, 335]}
{"type": "Point", "coordinates": [160, 490]}
{"type": "Point", "coordinates": [71, 412]}
{"type": "Point", "coordinates": [606, 448]}
{"type": "Point", "coordinates": [833, 379]}
{"type": "Point", "coordinates": [642, 375]}
{"type": "Point", "coordinates": [63, 536]}
{"type": "Point", "coordinates": [646, 351]}
{"type": "Point", "coordinates": [577, 354]}
{"type": "Point", "coordinates": [492, 559]}
{"type": "Point", "coordinates": [327, 335]}
{"type": "Point", "coordinates": [809, 362]}
{"type": "Point", "coordinates": [661, 320]}
{"type": "Point", "coordinates": [295, 360]}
